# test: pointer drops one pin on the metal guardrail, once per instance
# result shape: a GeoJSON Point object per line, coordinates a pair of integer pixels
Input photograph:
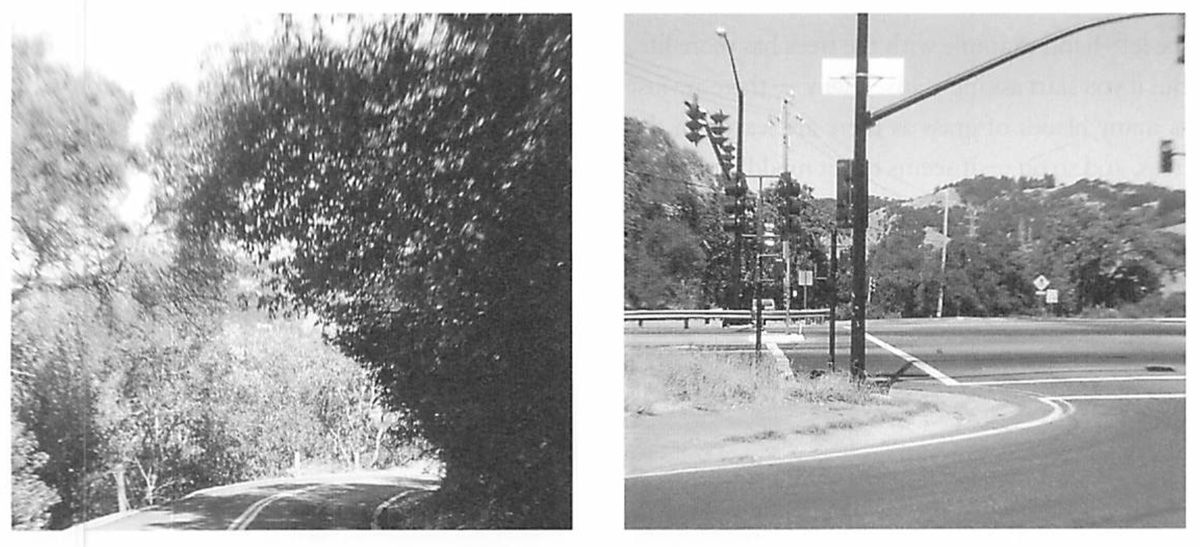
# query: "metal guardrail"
{"type": "Point", "coordinates": [817, 316]}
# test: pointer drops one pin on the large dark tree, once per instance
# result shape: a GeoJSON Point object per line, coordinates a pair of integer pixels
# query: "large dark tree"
{"type": "Point", "coordinates": [413, 184]}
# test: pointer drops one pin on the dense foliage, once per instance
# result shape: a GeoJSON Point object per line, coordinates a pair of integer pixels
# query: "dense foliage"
{"type": "Point", "coordinates": [676, 253]}
{"type": "Point", "coordinates": [411, 186]}
{"type": "Point", "coordinates": [134, 379]}
{"type": "Point", "coordinates": [1106, 247]}
{"type": "Point", "coordinates": [1101, 245]}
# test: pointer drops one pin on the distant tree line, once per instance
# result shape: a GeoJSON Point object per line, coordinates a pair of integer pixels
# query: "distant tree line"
{"type": "Point", "coordinates": [1105, 247]}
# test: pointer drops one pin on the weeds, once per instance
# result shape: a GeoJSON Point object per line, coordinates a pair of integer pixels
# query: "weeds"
{"type": "Point", "coordinates": [657, 380]}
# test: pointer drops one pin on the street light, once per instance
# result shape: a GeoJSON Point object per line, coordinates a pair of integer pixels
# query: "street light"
{"type": "Point", "coordinates": [741, 153]}
{"type": "Point", "coordinates": [738, 173]}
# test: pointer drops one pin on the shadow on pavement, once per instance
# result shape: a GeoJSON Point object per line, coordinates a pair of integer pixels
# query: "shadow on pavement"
{"type": "Point", "coordinates": [328, 506]}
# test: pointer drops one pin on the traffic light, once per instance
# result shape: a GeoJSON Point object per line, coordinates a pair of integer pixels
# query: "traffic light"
{"type": "Point", "coordinates": [737, 187]}
{"type": "Point", "coordinates": [725, 157]}
{"type": "Point", "coordinates": [1166, 153]}
{"type": "Point", "coordinates": [789, 207]}
{"type": "Point", "coordinates": [843, 194]}
{"type": "Point", "coordinates": [735, 215]}
{"type": "Point", "coordinates": [697, 121]}
{"type": "Point", "coordinates": [769, 238]}
{"type": "Point", "coordinates": [718, 128]}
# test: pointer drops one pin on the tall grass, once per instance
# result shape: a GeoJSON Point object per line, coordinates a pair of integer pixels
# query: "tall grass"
{"type": "Point", "coordinates": [657, 380]}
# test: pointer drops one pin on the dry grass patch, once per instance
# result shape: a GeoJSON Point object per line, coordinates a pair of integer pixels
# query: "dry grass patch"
{"type": "Point", "coordinates": [660, 380]}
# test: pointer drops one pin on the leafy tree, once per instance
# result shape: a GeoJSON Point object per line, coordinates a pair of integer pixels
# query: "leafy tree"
{"type": "Point", "coordinates": [69, 153]}
{"type": "Point", "coordinates": [672, 222]}
{"type": "Point", "coordinates": [414, 184]}
{"type": "Point", "coordinates": [31, 498]}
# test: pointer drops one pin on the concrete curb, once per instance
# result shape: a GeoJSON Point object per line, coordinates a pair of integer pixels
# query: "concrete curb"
{"type": "Point", "coordinates": [1026, 409]}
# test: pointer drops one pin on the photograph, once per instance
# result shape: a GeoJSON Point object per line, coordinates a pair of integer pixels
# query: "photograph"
{"type": "Point", "coordinates": [289, 271]}
{"type": "Point", "coordinates": [904, 271]}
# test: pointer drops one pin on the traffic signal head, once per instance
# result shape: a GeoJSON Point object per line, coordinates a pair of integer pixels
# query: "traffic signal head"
{"type": "Point", "coordinates": [843, 194]}
{"type": "Point", "coordinates": [736, 188]}
{"type": "Point", "coordinates": [725, 157]}
{"type": "Point", "coordinates": [1166, 153]}
{"type": "Point", "coordinates": [788, 187]}
{"type": "Point", "coordinates": [735, 212]}
{"type": "Point", "coordinates": [697, 121]}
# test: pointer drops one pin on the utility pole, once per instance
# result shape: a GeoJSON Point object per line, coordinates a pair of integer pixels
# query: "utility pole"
{"type": "Point", "coordinates": [945, 244]}
{"type": "Point", "coordinates": [862, 121]}
{"type": "Point", "coordinates": [787, 261]}
{"type": "Point", "coordinates": [831, 278]}
{"type": "Point", "coordinates": [758, 244]}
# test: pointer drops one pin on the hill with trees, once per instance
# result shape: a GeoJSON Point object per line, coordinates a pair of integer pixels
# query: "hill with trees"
{"type": "Point", "coordinates": [1107, 247]}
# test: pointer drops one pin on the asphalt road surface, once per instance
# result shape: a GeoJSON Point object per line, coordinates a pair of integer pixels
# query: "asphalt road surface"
{"type": "Point", "coordinates": [332, 502]}
{"type": "Point", "coordinates": [1113, 457]}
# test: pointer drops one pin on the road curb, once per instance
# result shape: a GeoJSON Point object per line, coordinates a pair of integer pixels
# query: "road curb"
{"type": "Point", "coordinates": [1025, 409]}
{"type": "Point", "coordinates": [1025, 418]}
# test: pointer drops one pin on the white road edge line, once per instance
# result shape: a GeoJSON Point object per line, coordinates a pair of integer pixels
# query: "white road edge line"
{"type": "Point", "coordinates": [939, 375]}
{"type": "Point", "coordinates": [243, 520]}
{"type": "Point", "coordinates": [1073, 380]}
{"type": "Point", "coordinates": [1060, 410]}
{"type": "Point", "coordinates": [1119, 397]}
{"type": "Point", "coordinates": [384, 506]}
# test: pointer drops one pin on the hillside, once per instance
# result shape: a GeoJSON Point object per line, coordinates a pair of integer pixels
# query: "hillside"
{"type": "Point", "coordinates": [1102, 244]}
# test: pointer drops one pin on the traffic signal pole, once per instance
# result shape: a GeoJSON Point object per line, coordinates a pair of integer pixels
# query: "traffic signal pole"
{"type": "Point", "coordinates": [862, 121]}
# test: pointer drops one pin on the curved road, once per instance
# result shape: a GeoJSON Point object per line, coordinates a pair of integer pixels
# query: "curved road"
{"type": "Point", "coordinates": [1116, 459]}
{"type": "Point", "coordinates": [328, 502]}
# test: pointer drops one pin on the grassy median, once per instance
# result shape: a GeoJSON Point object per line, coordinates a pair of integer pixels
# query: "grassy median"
{"type": "Point", "coordinates": [658, 381]}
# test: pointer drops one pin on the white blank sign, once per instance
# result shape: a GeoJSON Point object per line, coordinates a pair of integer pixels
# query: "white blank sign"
{"type": "Point", "coordinates": [885, 76]}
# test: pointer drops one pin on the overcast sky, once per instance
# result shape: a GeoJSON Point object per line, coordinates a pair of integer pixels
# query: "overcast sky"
{"type": "Point", "coordinates": [1095, 105]}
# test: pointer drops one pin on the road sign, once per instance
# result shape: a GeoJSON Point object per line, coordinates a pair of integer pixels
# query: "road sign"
{"type": "Point", "coordinates": [1041, 282]}
{"type": "Point", "coordinates": [805, 278]}
{"type": "Point", "coordinates": [885, 76]}
{"type": "Point", "coordinates": [1052, 296]}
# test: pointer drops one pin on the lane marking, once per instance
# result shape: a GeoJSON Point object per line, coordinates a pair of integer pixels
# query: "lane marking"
{"type": "Point", "coordinates": [1060, 410]}
{"type": "Point", "coordinates": [243, 520]}
{"type": "Point", "coordinates": [384, 506]}
{"type": "Point", "coordinates": [1073, 380]}
{"type": "Point", "coordinates": [937, 374]}
{"type": "Point", "coordinates": [1120, 397]}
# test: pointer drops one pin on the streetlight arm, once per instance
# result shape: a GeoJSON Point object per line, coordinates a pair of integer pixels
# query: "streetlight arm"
{"type": "Point", "coordinates": [736, 81]}
{"type": "Point", "coordinates": [971, 73]}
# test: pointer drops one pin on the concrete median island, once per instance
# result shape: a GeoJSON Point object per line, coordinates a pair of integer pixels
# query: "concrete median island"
{"type": "Point", "coordinates": [685, 437]}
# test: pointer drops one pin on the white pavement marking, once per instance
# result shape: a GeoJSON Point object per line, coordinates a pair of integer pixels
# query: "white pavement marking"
{"type": "Point", "coordinates": [384, 506]}
{"type": "Point", "coordinates": [252, 512]}
{"type": "Point", "coordinates": [910, 359]}
{"type": "Point", "coordinates": [1119, 397]}
{"type": "Point", "coordinates": [1073, 380]}
{"type": "Point", "coordinates": [1061, 409]}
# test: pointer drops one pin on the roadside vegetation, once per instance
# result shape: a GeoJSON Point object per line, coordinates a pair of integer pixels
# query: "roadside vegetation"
{"type": "Point", "coordinates": [1110, 248]}
{"type": "Point", "coordinates": [658, 381]}
{"type": "Point", "coordinates": [356, 253]}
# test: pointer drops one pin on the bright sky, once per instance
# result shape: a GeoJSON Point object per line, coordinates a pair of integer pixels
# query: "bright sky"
{"type": "Point", "coordinates": [1095, 105]}
{"type": "Point", "coordinates": [140, 49]}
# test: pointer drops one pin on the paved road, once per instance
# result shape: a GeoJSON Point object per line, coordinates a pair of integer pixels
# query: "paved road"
{"type": "Point", "coordinates": [332, 502]}
{"type": "Point", "coordinates": [1116, 459]}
